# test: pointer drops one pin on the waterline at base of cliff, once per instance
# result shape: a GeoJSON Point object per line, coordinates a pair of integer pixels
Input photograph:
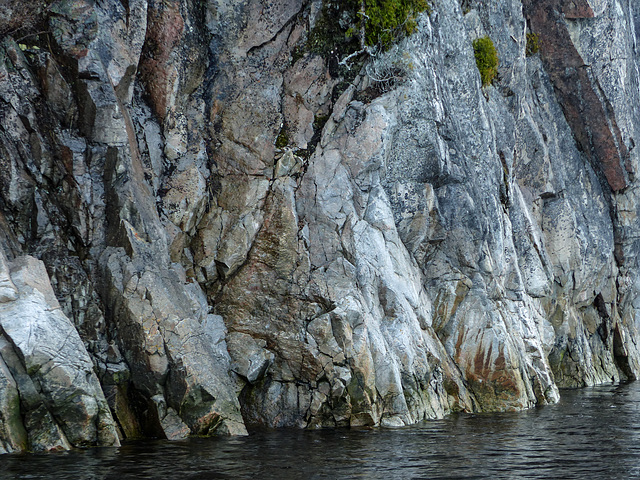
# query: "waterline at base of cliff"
{"type": "Point", "coordinates": [591, 432]}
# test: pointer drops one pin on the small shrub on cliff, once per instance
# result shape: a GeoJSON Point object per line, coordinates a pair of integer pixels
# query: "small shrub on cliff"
{"type": "Point", "coordinates": [388, 69]}
{"type": "Point", "coordinates": [384, 21]}
{"type": "Point", "coordinates": [533, 44]}
{"type": "Point", "coordinates": [486, 59]}
{"type": "Point", "coordinates": [353, 28]}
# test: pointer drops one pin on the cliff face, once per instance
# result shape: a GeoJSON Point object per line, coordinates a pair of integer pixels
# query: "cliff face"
{"type": "Point", "coordinates": [207, 222]}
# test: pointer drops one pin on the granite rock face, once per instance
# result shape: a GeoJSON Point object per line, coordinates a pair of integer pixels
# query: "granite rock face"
{"type": "Point", "coordinates": [210, 222]}
{"type": "Point", "coordinates": [51, 397]}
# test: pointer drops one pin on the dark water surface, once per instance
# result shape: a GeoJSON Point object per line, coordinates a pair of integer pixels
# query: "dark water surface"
{"type": "Point", "coordinates": [591, 433]}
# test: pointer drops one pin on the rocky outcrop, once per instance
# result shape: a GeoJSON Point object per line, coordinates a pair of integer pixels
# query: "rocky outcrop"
{"type": "Point", "coordinates": [240, 228]}
{"type": "Point", "coordinates": [51, 396]}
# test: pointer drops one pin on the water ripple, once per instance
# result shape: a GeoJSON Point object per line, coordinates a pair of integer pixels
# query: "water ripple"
{"type": "Point", "coordinates": [592, 433]}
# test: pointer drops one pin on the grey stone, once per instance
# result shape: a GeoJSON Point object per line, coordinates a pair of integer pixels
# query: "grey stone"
{"type": "Point", "coordinates": [12, 432]}
{"type": "Point", "coordinates": [250, 359]}
{"type": "Point", "coordinates": [8, 291]}
{"type": "Point", "coordinates": [55, 359]}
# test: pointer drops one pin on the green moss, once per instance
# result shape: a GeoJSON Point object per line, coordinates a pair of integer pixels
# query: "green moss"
{"type": "Point", "coordinates": [283, 138]}
{"type": "Point", "coordinates": [387, 20]}
{"type": "Point", "coordinates": [533, 44]}
{"type": "Point", "coordinates": [33, 370]}
{"type": "Point", "coordinates": [328, 36]}
{"type": "Point", "coordinates": [319, 121]}
{"type": "Point", "coordinates": [338, 29]}
{"type": "Point", "coordinates": [486, 59]}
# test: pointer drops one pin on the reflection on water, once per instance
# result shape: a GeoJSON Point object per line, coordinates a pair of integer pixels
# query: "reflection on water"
{"type": "Point", "coordinates": [591, 433]}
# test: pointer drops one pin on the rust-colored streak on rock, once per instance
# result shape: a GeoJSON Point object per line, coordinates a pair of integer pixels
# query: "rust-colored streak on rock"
{"type": "Point", "coordinates": [577, 9]}
{"type": "Point", "coordinates": [478, 364]}
{"type": "Point", "coordinates": [595, 131]}
{"type": "Point", "coordinates": [164, 32]}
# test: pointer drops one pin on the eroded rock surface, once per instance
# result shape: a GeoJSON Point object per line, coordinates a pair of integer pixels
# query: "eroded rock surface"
{"type": "Point", "coordinates": [53, 396]}
{"type": "Point", "coordinates": [239, 229]}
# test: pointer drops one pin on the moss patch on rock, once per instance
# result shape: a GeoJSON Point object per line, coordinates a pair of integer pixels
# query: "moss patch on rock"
{"type": "Point", "coordinates": [385, 21]}
{"type": "Point", "coordinates": [283, 138]}
{"type": "Point", "coordinates": [533, 44]}
{"type": "Point", "coordinates": [341, 25]}
{"type": "Point", "coordinates": [486, 59]}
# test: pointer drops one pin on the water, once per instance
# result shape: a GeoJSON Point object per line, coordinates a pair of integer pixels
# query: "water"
{"type": "Point", "coordinates": [591, 433]}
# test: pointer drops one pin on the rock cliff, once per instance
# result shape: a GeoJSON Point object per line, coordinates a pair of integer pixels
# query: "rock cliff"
{"type": "Point", "coordinates": [209, 220]}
